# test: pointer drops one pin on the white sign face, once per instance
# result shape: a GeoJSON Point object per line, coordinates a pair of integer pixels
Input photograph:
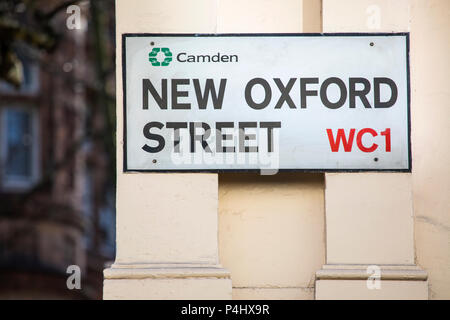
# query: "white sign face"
{"type": "Point", "coordinates": [331, 102]}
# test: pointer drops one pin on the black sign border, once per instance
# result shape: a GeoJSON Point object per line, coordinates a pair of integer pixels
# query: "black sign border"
{"type": "Point", "coordinates": [340, 34]}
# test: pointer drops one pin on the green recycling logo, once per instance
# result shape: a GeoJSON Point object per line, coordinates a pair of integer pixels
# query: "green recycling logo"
{"type": "Point", "coordinates": [154, 61]}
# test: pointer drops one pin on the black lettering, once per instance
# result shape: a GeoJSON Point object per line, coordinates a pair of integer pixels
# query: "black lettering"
{"type": "Point", "coordinates": [178, 56]}
{"type": "Point", "coordinates": [176, 94]}
{"type": "Point", "coordinates": [246, 137]}
{"type": "Point", "coordinates": [377, 99]}
{"type": "Point", "coordinates": [353, 93]}
{"type": "Point", "coordinates": [323, 93]}
{"type": "Point", "coordinates": [270, 126]}
{"type": "Point", "coordinates": [284, 90]}
{"type": "Point", "coordinates": [210, 89]}
{"type": "Point", "coordinates": [223, 137]}
{"type": "Point", "coordinates": [203, 58]}
{"type": "Point", "coordinates": [201, 137]}
{"type": "Point", "coordinates": [153, 136]}
{"type": "Point", "coordinates": [161, 100]}
{"type": "Point", "coordinates": [176, 126]}
{"type": "Point", "coordinates": [248, 93]}
{"type": "Point", "coordinates": [215, 58]}
{"type": "Point", "coordinates": [304, 93]}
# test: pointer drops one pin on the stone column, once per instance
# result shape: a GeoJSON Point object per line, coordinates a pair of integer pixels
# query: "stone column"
{"type": "Point", "coordinates": [369, 216]}
{"type": "Point", "coordinates": [167, 242]}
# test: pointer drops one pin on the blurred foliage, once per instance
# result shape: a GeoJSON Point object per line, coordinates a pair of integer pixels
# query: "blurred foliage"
{"type": "Point", "coordinates": [31, 23]}
{"type": "Point", "coordinates": [23, 22]}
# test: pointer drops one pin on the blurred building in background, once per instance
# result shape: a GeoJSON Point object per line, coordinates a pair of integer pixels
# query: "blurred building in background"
{"type": "Point", "coordinates": [56, 151]}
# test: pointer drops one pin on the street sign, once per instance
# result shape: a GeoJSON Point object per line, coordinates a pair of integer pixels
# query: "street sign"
{"type": "Point", "coordinates": [327, 102]}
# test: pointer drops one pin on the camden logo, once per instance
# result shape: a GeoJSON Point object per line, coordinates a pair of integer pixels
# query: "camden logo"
{"type": "Point", "coordinates": [152, 57]}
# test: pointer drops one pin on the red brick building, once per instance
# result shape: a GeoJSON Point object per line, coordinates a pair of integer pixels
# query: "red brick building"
{"type": "Point", "coordinates": [56, 190]}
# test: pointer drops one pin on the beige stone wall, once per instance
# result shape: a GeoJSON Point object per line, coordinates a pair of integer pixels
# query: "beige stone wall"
{"type": "Point", "coordinates": [166, 230]}
{"type": "Point", "coordinates": [430, 70]}
{"type": "Point", "coordinates": [158, 214]}
{"type": "Point", "coordinates": [271, 233]}
{"type": "Point", "coordinates": [368, 218]}
{"type": "Point", "coordinates": [429, 24]}
{"type": "Point", "coordinates": [271, 229]}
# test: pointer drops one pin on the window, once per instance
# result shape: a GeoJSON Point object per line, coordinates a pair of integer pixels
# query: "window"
{"type": "Point", "coordinates": [19, 148]}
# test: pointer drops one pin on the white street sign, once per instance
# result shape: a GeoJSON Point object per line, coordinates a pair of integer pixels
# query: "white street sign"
{"type": "Point", "coordinates": [325, 102]}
